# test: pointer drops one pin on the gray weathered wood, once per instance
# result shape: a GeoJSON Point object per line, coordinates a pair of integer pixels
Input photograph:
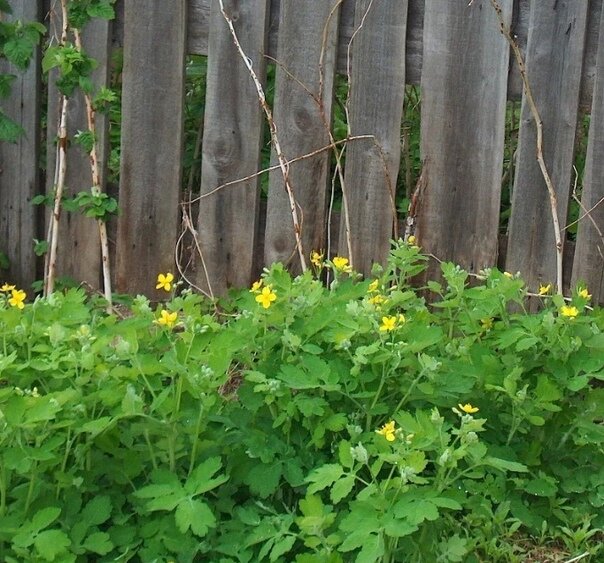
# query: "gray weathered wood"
{"type": "Point", "coordinates": [152, 139]}
{"type": "Point", "coordinates": [588, 265]}
{"type": "Point", "coordinates": [376, 106]}
{"type": "Point", "coordinates": [464, 81]}
{"type": "Point", "coordinates": [233, 136]}
{"type": "Point", "coordinates": [554, 53]}
{"type": "Point", "coordinates": [79, 255]}
{"type": "Point", "coordinates": [19, 173]}
{"type": "Point", "coordinates": [199, 31]}
{"type": "Point", "coordinates": [301, 124]}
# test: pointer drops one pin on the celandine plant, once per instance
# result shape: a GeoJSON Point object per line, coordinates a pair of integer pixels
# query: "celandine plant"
{"type": "Point", "coordinates": [299, 422]}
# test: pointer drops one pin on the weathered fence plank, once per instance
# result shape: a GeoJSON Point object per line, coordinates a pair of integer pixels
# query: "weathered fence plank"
{"type": "Point", "coordinates": [464, 81]}
{"type": "Point", "coordinates": [303, 103]}
{"type": "Point", "coordinates": [152, 139]}
{"type": "Point", "coordinates": [554, 54]}
{"type": "Point", "coordinates": [79, 255]}
{"type": "Point", "coordinates": [19, 174]}
{"type": "Point", "coordinates": [588, 265]}
{"type": "Point", "coordinates": [232, 140]}
{"type": "Point", "coordinates": [376, 106]}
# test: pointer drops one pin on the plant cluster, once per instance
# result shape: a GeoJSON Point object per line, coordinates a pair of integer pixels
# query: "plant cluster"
{"type": "Point", "coordinates": [302, 422]}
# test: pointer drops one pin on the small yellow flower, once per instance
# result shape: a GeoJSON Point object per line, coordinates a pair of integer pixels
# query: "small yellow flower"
{"type": "Point", "coordinates": [584, 293]}
{"type": "Point", "coordinates": [468, 408]}
{"type": "Point", "coordinates": [378, 300]}
{"type": "Point", "coordinates": [256, 286]}
{"type": "Point", "coordinates": [401, 319]}
{"type": "Point", "coordinates": [341, 264]}
{"type": "Point", "coordinates": [164, 281]}
{"type": "Point", "coordinates": [508, 275]}
{"type": "Point", "coordinates": [373, 286]}
{"type": "Point", "coordinates": [569, 311]}
{"type": "Point", "coordinates": [486, 323]}
{"type": "Point", "coordinates": [411, 239]}
{"type": "Point", "coordinates": [17, 297]}
{"type": "Point", "coordinates": [388, 324]}
{"type": "Point", "coordinates": [388, 431]}
{"type": "Point", "coordinates": [266, 297]}
{"type": "Point", "coordinates": [545, 289]}
{"type": "Point", "coordinates": [167, 319]}
{"type": "Point", "coordinates": [316, 258]}
{"type": "Point", "coordinates": [7, 287]}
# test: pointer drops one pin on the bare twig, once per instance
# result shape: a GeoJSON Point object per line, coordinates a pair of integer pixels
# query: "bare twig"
{"type": "Point", "coordinates": [283, 163]}
{"type": "Point", "coordinates": [60, 174]}
{"type": "Point", "coordinates": [96, 184]}
{"type": "Point", "coordinates": [553, 200]}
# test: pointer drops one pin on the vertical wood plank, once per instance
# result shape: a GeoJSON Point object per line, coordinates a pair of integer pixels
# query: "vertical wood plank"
{"type": "Point", "coordinates": [377, 92]}
{"type": "Point", "coordinates": [152, 140]}
{"type": "Point", "coordinates": [556, 41]}
{"type": "Point", "coordinates": [588, 266]}
{"type": "Point", "coordinates": [301, 126]}
{"type": "Point", "coordinates": [19, 162]}
{"type": "Point", "coordinates": [464, 82]}
{"type": "Point", "coordinates": [233, 131]}
{"type": "Point", "coordinates": [79, 255]}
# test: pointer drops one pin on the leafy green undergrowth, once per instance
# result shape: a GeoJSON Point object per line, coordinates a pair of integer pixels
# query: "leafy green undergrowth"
{"type": "Point", "coordinates": [299, 422]}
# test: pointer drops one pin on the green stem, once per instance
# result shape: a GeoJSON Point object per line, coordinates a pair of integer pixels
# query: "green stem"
{"type": "Point", "coordinates": [150, 447]}
{"type": "Point", "coordinates": [2, 490]}
{"type": "Point", "coordinates": [30, 489]}
{"type": "Point", "coordinates": [411, 387]}
{"type": "Point", "coordinates": [195, 441]}
{"type": "Point", "coordinates": [375, 398]}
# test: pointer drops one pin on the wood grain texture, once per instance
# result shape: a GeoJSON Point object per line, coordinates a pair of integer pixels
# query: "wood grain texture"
{"type": "Point", "coordinates": [463, 120]}
{"type": "Point", "coordinates": [152, 140]}
{"type": "Point", "coordinates": [588, 266]}
{"type": "Point", "coordinates": [19, 172]}
{"type": "Point", "coordinates": [376, 106]}
{"type": "Point", "coordinates": [233, 136]}
{"type": "Point", "coordinates": [79, 255]}
{"type": "Point", "coordinates": [301, 124]}
{"type": "Point", "coordinates": [554, 53]}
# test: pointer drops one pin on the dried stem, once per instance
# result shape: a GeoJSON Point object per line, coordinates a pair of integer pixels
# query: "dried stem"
{"type": "Point", "coordinates": [283, 163]}
{"type": "Point", "coordinates": [553, 200]}
{"type": "Point", "coordinates": [96, 184]}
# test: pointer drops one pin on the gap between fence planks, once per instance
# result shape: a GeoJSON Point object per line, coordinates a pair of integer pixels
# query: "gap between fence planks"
{"type": "Point", "coordinates": [19, 175]}
{"type": "Point", "coordinates": [554, 53]}
{"type": "Point", "coordinates": [152, 143]}
{"type": "Point", "coordinates": [463, 121]}
{"type": "Point", "coordinates": [302, 113]}
{"type": "Point", "coordinates": [376, 106]}
{"type": "Point", "coordinates": [588, 265]}
{"type": "Point", "coordinates": [233, 136]}
{"type": "Point", "coordinates": [79, 253]}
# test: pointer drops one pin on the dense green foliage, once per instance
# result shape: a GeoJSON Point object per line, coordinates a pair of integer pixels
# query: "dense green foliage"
{"type": "Point", "coordinates": [302, 422]}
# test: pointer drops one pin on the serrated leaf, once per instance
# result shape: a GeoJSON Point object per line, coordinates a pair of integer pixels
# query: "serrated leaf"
{"type": "Point", "coordinates": [98, 542]}
{"type": "Point", "coordinates": [51, 543]}
{"type": "Point", "coordinates": [342, 488]}
{"type": "Point", "coordinates": [201, 480]}
{"type": "Point", "coordinates": [102, 9]}
{"type": "Point", "coordinates": [44, 518]}
{"type": "Point", "coordinates": [324, 476]}
{"type": "Point", "coordinates": [5, 84]}
{"type": "Point", "coordinates": [202, 518]}
{"type": "Point", "coordinates": [9, 130]}
{"type": "Point", "coordinates": [282, 546]}
{"type": "Point", "coordinates": [263, 479]}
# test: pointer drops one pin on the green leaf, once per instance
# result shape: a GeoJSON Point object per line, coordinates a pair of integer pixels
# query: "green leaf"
{"type": "Point", "coordinates": [97, 511]}
{"type": "Point", "coordinates": [194, 514]}
{"type": "Point", "coordinates": [201, 480]}
{"type": "Point", "coordinates": [102, 9]}
{"type": "Point", "coordinates": [45, 518]}
{"type": "Point", "coordinates": [9, 130]}
{"type": "Point", "coordinates": [51, 543]}
{"type": "Point", "coordinates": [99, 542]}
{"type": "Point", "coordinates": [541, 487]}
{"type": "Point", "coordinates": [263, 479]}
{"type": "Point", "coordinates": [505, 465]}
{"type": "Point", "coordinates": [5, 7]}
{"type": "Point", "coordinates": [5, 84]}
{"type": "Point", "coordinates": [324, 476]}
{"type": "Point", "coordinates": [342, 488]}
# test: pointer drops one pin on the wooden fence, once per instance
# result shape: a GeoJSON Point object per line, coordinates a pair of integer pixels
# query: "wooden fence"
{"type": "Point", "coordinates": [454, 50]}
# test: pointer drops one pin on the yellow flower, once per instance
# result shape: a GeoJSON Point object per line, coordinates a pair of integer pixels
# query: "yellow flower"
{"type": "Point", "coordinates": [388, 324]}
{"type": "Point", "coordinates": [7, 287]}
{"type": "Point", "coordinates": [411, 239]}
{"type": "Point", "coordinates": [378, 299]}
{"type": "Point", "coordinates": [266, 297]}
{"type": "Point", "coordinates": [167, 319]}
{"type": "Point", "coordinates": [545, 289]}
{"type": "Point", "coordinates": [568, 311]}
{"type": "Point", "coordinates": [486, 323]}
{"type": "Point", "coordinates": [256, 286]}
{"type": "Point", "coordinates": [17, 298]}
{"type": "Point", "coordinates": [508, 275]}
{"type": "Point", "coordinates": [468, 408]}
{"type": "Point", "coordinates": [388, 431]}
{"type": "Point", "coordinates": [401, 319]}
{"type": "Point", "coordinates": [373, 286]}
{"type": "Point", "coordinates": [341, 264]}
{"type": "Point", "coordinates": [584, 293]}
{"type": "Point", "coordinates": [316, 258]}
{"type": "Point", "coordinates": [164, 281]}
